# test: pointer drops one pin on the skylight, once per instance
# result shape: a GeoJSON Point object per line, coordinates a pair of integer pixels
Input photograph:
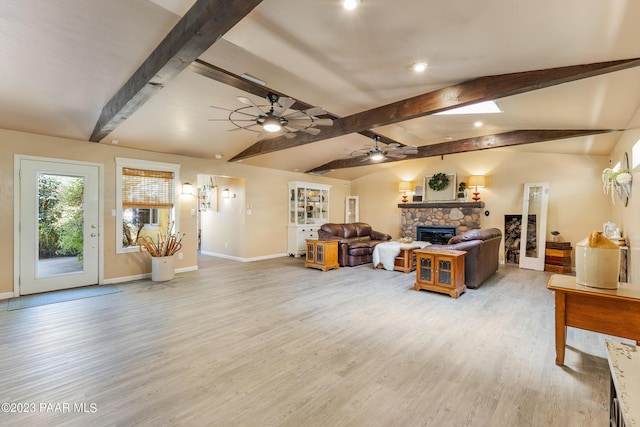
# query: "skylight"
{"type": "Point", "coordinates": [486, 107]}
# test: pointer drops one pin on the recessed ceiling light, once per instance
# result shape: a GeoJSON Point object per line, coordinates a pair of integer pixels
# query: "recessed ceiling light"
{"type": "Point", "coordinates": [419, 67]}
{"type": "Point", "coordinates": [115, 141]}
{"type": "Point", "coordinates": [478, 124]}
{"type": "Point", "coordinates": [218, 156]}
{"type": "Point", "coordinates": [349, 4]}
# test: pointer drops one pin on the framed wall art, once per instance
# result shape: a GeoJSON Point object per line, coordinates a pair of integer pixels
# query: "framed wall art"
{"type": "Point", "coordinates": [439, 187]}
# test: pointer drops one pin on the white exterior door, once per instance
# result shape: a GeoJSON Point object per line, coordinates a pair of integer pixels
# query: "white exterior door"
{"type": "Point", "coordinates": [58, 225]}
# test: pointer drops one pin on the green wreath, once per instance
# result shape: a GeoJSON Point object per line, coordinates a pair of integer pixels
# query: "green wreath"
{"type": "Point", "coordinates": [438, 182]}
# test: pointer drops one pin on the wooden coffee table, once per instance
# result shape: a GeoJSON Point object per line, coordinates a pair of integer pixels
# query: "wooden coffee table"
{"type": "Point", "coordinates": [406, 261]}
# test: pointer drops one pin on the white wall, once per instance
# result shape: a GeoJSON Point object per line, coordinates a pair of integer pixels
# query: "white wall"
{"type": "Point", "coordinates": [628, 218]}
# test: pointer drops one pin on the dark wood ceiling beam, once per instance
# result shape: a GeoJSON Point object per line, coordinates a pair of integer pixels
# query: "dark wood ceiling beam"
{"type": "Point", "coordinates": [471, 92]}
{"type": "Point", "coordinates": [206, 22]}
{"type": "Point", "coordinates": [507, 139]}
{"type": "Point", "coordinates": [210, 71]}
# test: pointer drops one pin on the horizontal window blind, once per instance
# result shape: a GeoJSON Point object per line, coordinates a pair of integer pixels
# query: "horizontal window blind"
{"type": "Point", "coordinates": [146, 188]}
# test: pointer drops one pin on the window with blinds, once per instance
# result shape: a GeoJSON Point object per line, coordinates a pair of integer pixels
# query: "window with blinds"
{"type": "Point", "coordinates": [146, 201]}
{"type": "Point", "coordinates": [146, 189]}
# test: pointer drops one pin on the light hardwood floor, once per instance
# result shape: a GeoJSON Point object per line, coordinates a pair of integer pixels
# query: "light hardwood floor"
{"type": "Point", "coordinates": [271, 343]}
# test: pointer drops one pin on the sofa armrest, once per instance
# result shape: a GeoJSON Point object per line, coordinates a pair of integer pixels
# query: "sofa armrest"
{"type": "Point", "coordinates": [462, 246]}
{"type": "Point", "coordinates": [376, 235]}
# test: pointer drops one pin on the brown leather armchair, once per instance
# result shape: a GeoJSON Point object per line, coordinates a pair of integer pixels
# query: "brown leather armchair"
{"type": "Point", "coordinates": [482, 247]}
{"type": "Point", "coordinates": [355, 241]}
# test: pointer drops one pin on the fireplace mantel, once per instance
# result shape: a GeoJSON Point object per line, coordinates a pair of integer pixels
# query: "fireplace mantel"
{"type": "Point", "coordinates": [448, 204]}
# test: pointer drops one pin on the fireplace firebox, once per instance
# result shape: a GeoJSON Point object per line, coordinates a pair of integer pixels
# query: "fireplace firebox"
{"type": "Point", "coordinates": [435, 234]}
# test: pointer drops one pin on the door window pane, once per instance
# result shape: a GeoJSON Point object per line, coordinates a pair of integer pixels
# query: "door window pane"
{"type": "Point", "coordinates": [60, 224]}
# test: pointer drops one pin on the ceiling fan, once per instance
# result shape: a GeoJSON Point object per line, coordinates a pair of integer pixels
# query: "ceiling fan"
{"type": "Point", "coordinates": [271, 119]}
{"type": "Point", "coordinates": [377, 153]}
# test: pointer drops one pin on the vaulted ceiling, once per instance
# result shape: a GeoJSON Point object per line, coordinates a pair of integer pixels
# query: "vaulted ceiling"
{"type": "Point", "coordinates": [137, 73]}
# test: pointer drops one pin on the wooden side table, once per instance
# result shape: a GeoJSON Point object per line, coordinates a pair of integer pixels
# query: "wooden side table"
{"type": "Point", "coordinates": [440, 271]}
{"type": "Point", "coordinates": [406, 260]}
{"type": "Point", "coordinates": [322, 254]}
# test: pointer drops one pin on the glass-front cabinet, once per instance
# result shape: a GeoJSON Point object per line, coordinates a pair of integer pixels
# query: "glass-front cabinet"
{"type": "Point", "coordinates": [440, 270]}
{"type": "Point", "coordinates": [308, 210]}
{"type": "Point", "coordinates": [322, 254]}
{"type": "Point", "coordinates": [308, 203]}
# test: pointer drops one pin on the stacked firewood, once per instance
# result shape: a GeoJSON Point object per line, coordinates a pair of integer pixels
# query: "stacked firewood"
{"type": "Point", "coordinates": [512, 232]}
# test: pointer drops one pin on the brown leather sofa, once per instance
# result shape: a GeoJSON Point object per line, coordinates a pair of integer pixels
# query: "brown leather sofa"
{"type": "Point", "coordinates": [356, 241]}
{"type": "Point", "coordinates": [483, 248]}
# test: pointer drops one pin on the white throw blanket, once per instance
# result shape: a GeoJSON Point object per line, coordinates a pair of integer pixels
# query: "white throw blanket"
{"type": "Point", "coordinates": [385, 253]}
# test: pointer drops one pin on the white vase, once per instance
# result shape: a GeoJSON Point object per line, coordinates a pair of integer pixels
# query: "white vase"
{"type": "Point", "coordinates": [597, 262]}
{"type": "Point", "coordinates": [162, 268]}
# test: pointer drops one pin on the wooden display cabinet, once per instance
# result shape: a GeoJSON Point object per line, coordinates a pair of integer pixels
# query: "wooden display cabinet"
{"type": "Point", "coordinates": [322, 254]}
{"type": "Point", "coordinates": [440, 271]}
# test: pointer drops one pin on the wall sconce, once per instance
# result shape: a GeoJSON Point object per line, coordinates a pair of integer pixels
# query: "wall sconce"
{"type": "Point", "coordinates": [405, 187]}
{"type": "Point", "coordinates": [477, 181]}
{"type": "Point", "coordinates": [187, 189]}
{"type": "Point", "coordinates": [227, 194]}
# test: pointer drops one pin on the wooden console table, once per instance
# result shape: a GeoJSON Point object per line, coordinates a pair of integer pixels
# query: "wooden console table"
{"type": "Point", "coordinates": [607, 311]}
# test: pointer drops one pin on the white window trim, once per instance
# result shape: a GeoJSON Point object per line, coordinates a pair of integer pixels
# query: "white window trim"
{"type": "Point", "coordinates": [122, 162]}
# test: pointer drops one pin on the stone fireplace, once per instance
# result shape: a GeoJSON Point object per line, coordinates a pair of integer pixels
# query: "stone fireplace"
{"type": "Point", "coordinates": [463, 215]}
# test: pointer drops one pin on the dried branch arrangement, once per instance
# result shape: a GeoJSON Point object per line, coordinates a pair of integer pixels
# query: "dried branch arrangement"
{"type": "Point", "coordinates": [167, 244]}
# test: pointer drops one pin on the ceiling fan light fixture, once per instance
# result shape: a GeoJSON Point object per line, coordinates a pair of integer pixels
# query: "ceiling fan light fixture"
{"type": "Point", "coordinates": [349, 4]}
{"type": "Point", "coordinates": [271, 124]}
{"type": "Point", "coordinates": [376, 157]}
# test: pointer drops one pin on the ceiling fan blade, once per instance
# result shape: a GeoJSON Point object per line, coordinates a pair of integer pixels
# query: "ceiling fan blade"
{"type": "Point", "coordinates": [315, 111]}
{"type": "Point", "coordinates": [359, 153]}
{"type": "Point", "coordinates": [393, 145]}
{"type": "Point", "coordinates": [234, 111]}
{"type": "Point", "coordinates": [322, 122]}
{"type": "Point", "coordinates": [297, 115]}
{"type": "Point", "coordinates": [289, 135]}
{"type": "Point", "coordinates": [220, 108]}
{"type": "Point", "coordinates": [297, 126]}
{"type": "Point", "coordinates": [303, 128]}
{"type": "Point", "coordinates": [311, 131]}
{"type": "Point", "coordinates": [249, 102]}
{"type": "Point", "coordinates": [243, 127]}
{"type": "Point", "coordinates": [283, 105]}
{"type": "Point", "coordinates": [408, 150]}
{"type": "Point", "coordinates": [236, 120]}
{"type": "Point", "coordinates": [396, 155]}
